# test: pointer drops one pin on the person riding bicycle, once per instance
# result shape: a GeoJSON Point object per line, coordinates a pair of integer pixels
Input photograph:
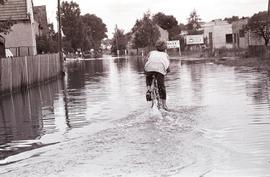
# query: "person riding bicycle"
{"type": "Point", "coordinates": [158, 65]}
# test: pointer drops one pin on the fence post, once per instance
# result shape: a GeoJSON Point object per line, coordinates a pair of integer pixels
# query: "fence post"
{"type": "Point", "coordinates": [10, 73]}
{"type": "Point", "coordinates": [38, 68]}
{"type": "Point", "coordinates": [0, 74]}
{"type": "Point", "coordinates": [26, 71]}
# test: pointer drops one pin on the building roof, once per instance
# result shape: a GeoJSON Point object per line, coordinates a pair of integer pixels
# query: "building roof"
{"type": "Point", "coordinates": [14, 10]}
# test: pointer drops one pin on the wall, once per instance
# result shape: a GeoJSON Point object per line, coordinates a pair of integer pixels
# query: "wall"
{"type": "Point", "coordinates": [219, 29]}
{"type": "Point", "coordinates": [219, 36]}
{"type": "Point", "coordinates": [23, 32]}
{"type": "Point", "coordinates": [22, 37]}
{"type": "Point", "coordinates": [164, 34]}
{"type": "Point", "coordinates": [21, 72]}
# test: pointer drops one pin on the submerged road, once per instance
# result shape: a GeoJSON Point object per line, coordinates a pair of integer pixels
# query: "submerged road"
{"type": "Point", "coordinates": [97, 123]}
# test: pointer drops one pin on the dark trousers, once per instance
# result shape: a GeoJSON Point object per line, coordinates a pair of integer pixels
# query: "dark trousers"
{"type": "Point", "coordinates": [160, 82]}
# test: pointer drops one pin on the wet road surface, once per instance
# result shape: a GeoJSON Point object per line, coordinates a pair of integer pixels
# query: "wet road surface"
{"type": "Point", "coordinates": [96, 123]}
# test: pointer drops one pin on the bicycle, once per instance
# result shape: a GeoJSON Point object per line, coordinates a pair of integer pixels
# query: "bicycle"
{"type": "Point", "coordinates": [155, 93]}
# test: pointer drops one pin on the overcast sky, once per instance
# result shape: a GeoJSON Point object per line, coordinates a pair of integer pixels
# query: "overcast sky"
{"type": "Point", "coordinates": [125, 12]}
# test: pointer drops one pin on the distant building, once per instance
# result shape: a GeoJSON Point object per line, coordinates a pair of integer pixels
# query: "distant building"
{"type": "Point", "coordinates": [21, 40]}
{"type": "Point", "coordinates": [218, 34]}
{"type": "Point", "coordinates": [40, 16]}
{"type": "Point", "coordinates": [243, 39]}
{"type": "Point", "coordinates": [164, 34]}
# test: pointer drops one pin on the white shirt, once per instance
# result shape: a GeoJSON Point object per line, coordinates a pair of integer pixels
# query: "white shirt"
{"type": "Point", "coordinates": [158, 62]}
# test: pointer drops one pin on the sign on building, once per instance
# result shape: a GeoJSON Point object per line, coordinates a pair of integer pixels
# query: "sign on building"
{"type": "Point", "coordinates": [173, 44]}
{"type": "Point", "coordinates": [194, 39]}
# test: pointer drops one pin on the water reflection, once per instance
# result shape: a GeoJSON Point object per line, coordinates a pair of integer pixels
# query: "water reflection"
{"type": "Point", "coordinates": [223, 110]}
{"type": "Point", "coordinates": [27, 115]}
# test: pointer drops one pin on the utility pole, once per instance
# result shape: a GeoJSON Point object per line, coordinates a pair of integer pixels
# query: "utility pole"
{"type": "Point", "coordinates": [116, 36]}
{"type": "Point", "coordinates": [267, 26]}
{"type": "Point", "coordinates": [60, 37]}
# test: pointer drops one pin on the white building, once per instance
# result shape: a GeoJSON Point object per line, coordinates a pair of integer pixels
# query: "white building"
{"type": "Point", "coordinates": [218, 34]}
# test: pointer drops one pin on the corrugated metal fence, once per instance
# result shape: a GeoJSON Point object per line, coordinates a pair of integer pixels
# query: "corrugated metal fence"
{"type": "Point", "coordinates": [22, 72]}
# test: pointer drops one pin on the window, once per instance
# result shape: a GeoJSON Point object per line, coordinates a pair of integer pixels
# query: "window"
{"type": "Point", "coordinates": [241, 33]}
{"type": "Point", "coordinates": [229, 38]}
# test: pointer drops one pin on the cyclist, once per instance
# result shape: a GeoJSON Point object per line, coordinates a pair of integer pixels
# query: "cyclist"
{"type": "Point", "coordinates": [158, 65]}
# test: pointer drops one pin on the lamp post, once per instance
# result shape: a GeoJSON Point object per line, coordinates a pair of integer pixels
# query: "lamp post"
{"type": "Point", "coordinates": [60, 36]}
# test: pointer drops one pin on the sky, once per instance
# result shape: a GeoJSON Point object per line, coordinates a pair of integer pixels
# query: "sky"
{"type": "Point", "coordinates": [124, 13]}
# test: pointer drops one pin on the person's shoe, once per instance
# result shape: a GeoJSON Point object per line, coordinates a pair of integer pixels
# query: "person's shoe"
{"type": "Point", "coordinates": [148, 96]}
{"type": "Point", "coordinates": [165, 107]}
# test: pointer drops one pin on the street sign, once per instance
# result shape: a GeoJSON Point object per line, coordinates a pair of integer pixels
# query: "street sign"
{"type": "Point", "coordinates": [173, 44]}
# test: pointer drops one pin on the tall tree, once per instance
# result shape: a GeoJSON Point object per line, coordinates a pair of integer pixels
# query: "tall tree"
{"type": "Point", "coordinates": [72, 24]}
{"type": "Point", "coordinates": [145, 33]}
{"type": "Point", "coordinates": [119, 41]}
{"type": "Point", "coordinates": [259, 25]}
{"type": "Point", "coordinates": [193, 25]}
{"type": "Point", "coordinates": [94, 31]}
{"type": "Point", "coordinates": [169, 23]}
{"type": "Point", "coordinates": [166, 22]}
{"type": "Point", "coordinates": [5, 26]}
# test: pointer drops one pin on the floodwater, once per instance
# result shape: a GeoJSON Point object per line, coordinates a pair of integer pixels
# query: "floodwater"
{"type": "Point", "coordinates": [97, 123]}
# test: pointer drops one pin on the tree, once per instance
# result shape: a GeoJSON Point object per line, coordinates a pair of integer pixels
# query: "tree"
{"type": "Point", "coordinates": [5, 26]}
{"type": "Point", "coordinates": [259, 25]}
{"type": "Point", "coordinates": [94, 31]}
{"type": "Point", "coordinates": [47, 43]}
{"type": "Point", "coordinates": [231, 19]}
{"type": "Point", "coordinates": [119, 41]}
{"type": "Point", "coordinates": [169, 23]}
{"type": "Point", "coordinates": [193, 25]}
{"type": "Point", "coordinates": [146, 32]}
{"type": "Point", "coordinates": [72, 24]}
{"type": "Point", "coordinates": [166, 22]}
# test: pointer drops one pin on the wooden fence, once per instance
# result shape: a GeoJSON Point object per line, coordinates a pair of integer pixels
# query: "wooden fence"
{"type": "Point", "coordinates": [22, 72]}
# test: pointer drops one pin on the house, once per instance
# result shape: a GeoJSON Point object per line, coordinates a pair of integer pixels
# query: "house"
{"type": "Point", "coordinates": [164, 34]}
{"type": "Point", "coordinates": [41, 23]}
{"type": "Point", "coordinates": [218, 34]}
{"type": "Point", "coordinates": [21, 40]}
{"type": "Point", "coordinates": [242, 39]}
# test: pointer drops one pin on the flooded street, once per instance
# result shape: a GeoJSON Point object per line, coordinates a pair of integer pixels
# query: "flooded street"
{"type": "Point", "coordinates": [96, 122]}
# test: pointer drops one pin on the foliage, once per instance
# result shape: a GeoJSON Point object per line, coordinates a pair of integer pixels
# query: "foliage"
{"type": "Point", "coordinates": [47, 43]}
{"type": "Point", "coordinates": [193, 25]}
{"type": "Point", "coordinates": [145, 32]}
{"type": "Point", "coordinates": [5, 26]}
{"type": "Point", "coordinates": [231, 19]}
{"type": "Point", "coordinates": [81, 32]}
{"type": "Point", "coordinates": [71, 23]}
{"type": "Point", "coordinates": [166, 22]}
{"type": "Point", "coordinates": [259, 25]}
{"type": "Point", "coordinates": [94, 30]}
{"type": "Point", "coordinates": [119, 41]}
{"type": "Point", "coordinates": [169, 23]}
